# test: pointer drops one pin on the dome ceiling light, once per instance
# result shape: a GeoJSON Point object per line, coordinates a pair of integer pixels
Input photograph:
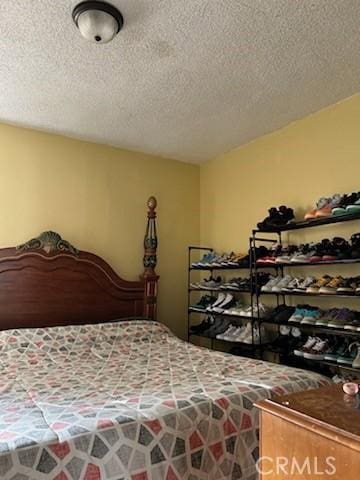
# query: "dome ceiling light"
{"type": "Point", "coordinates": [98, 22]}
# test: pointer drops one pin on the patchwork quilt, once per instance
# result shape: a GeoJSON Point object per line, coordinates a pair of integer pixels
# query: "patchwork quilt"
{"type": "Point", "coordinates": [129, 400]}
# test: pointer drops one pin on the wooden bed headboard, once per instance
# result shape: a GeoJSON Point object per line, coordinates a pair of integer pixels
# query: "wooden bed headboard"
{"type": "Point", "coordinates": [46, 282]}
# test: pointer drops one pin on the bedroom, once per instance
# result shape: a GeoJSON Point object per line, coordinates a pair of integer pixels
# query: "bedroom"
{"type": "Point", "coordinates": [184, 105]}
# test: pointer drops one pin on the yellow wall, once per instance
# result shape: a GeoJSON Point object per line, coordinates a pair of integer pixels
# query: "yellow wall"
{"type": "Point", "coordinates": [313, 157]}
{"type": "Point", "coordinates": [95, 197]}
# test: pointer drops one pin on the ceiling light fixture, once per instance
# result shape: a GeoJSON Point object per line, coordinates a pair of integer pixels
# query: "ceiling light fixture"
{"type": "Point", "coordinates": [98, 22]}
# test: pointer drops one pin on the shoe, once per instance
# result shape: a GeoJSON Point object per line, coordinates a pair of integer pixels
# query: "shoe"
{"type": "Point", "coordinates": [349, 357]}
{"type": "Point", "coordinates": [311, 315]}
{"type": "Point", "coordinates": [203, 303]}
{"type": "Point", "coordinates": [252, 336]}
{"type": "Point", "coordinates": [201, 327]}
{"type": "Point", "coordinates": [278, 287]}
{"type": "Point", "coordinates": [302, 286]}
{"type": "Point", "coordinates": [236, 309]}
{"type": "Point", "coordinates": [283, 314]}
{"type": "Point", "coordinates": [260, 310]}
{"type": "Point", "coordinates": [326, 210]}
{"type": "Point", "coordinates": [355, 246]}
{"type": "Point", "coordinates": [227, 333]}
{"type": "Point", "coordinates": [304, 254]}
{"type": "Point", "coordinates": [343, 317]}
{"type": "Point", "coordinates": [347, 286]}
{"type": "Point", "coordinates": [317, 352]}
{"type": "Point", "coordinates": [353, 325]}
{"type": "Point", "coordinates": [319, 205]}
{"type": "Point", "coordinates": [245, 333]}
{"type": "Point", "coordinates": [331, 287]}
{"type": "Point", "coordinates": [356, 348]}
{"type": "Point", "coordinates": [338, 348]}
{"type": "Point", "coordinates": [206, 257]}
{"type": "Point", "coordinates": [279, 314]}
{"type": "Point", "coordinates": [206, 261]}
{"type": "Point", "coordinates": [221, 297]}
{"type": "Point", "coordinates": [298, 314]}
{"type": "Point", "coordinates": [228, 302]}
{"type": "Point", "coordinates": [247, 311]}
{"type": "Point", "coordinates": [211, 283]}
{"type": "Point", "coordinates": [292, 285]}
{"type": "Point", "coordinates": [346, 201]}
{"type": "Point", "coordinates": [220, 326]}
{"type": "Point", "coordinates": [271, 283]}
{"type": "Point", "coordinates": [277, 218]}
{"type": "Point", "coordinates": [326, 317]}
{"type": "Point", "coordinates": [286, 254]}
{"type": "Point", "coordinates": [315, 287]}
{"type": "Point", "coordinates": [306, 347]}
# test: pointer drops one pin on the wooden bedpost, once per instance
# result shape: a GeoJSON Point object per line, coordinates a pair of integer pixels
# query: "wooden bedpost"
{"type": "Point", "coordinates": [150, 260]}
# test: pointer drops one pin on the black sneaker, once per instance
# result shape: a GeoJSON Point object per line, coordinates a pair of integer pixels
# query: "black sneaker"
{"type": "Point", "coordinates": [201, 327]}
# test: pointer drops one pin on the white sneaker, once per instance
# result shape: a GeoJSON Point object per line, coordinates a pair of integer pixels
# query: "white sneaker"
{"type": "Point", "coordinates": [253, 336]}
{"type": "Point", "coordinates": [271, 283]}
{"type": "Point", "coordinates": [220, 299]}
{"type": "Point", "coordinates": [229, 298]}
{"type": "Point", "coordinates": [222, 336]}
{"type": "Point", "coordinates": [247, 330]}
{"type": "Point", "coordinates": [282, 284]}
{"type": "Point", "coordinates": [261, 312]}
{"type": "Point", "coordinates": [310, 342]}
{"type": "Point", "coordinates": [234, 335]}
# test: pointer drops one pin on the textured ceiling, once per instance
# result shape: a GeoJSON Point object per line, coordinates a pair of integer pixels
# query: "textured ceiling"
{"type": "Point", "coordinates": [183, 79]}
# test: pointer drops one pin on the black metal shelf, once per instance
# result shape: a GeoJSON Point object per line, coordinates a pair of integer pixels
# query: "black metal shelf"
{"type": "Point", "coordinates": [328, 363]}
{"type": "Point", "coordinates": [313, 264]}
{"type": "Point", "coordinates": [230, 267]}
{"type": "Point", "coordinates": [219, 290]}
{"type": "Point", "coordinates": [313, 295]}
{"type": "Point", "coordinates": [249, 345]}
{"type": "Point", "coordinates": [314, 328]}
{"type": "Point", "coordinates": [227, 315]}
{"type": "Point", "coordinates": [317, 222]}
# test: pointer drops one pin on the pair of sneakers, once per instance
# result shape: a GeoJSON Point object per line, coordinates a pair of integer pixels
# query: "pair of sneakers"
{"type": "Point", "coordinates": [223, 302]}
{"type": "Point", "coordinates": [313, 349]}
{"type": "Point", "coordinates": [237, 334]}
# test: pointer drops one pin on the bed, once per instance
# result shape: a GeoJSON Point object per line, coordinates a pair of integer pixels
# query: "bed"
{"type": "Point", "coordinates": [93, 387]}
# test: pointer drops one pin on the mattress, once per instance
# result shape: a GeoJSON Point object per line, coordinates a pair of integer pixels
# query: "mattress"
{"type": "Point", "coordinates": [129, 400]}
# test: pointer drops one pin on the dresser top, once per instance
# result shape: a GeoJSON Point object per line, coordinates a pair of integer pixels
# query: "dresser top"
{"type": "Point", "coordinates": [324, 410]}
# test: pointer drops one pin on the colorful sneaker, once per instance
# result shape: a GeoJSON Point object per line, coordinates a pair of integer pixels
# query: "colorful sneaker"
{"type": "Point", "coordinates": [311, 315]}
{"type": "Point", "coordinates": [331, 287]}
{"type": "Point", "coordinates": [347, 286]}
{"type": "Point", "coordinates": [302, 286]}
{"type": "Point", "coordinates": [317, 352]}
{"type": "Point", "coordinates": [293, 285]}
{"type": "Point", "coordinates": [315, 287]}
{"type": "Point", "coordinates": [203, 303]}
{"type": "Point", "coordinates": [308, 345]}
{"type": "Point", "coordinates": [327, 209]}
{"type": "Point", "coordinates": [319, 205]}
{"type": "Point", "coordinates": [298, 315]}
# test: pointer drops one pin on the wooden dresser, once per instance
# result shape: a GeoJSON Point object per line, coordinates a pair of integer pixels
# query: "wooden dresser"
{"type": "Point", "coordinates": [310, 435]}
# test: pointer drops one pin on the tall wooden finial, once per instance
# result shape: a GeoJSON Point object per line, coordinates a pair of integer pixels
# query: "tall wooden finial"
{"type": "Point", "coordinates": [150, 260]}
{"type": "Point", "coordinates": [150, 240]}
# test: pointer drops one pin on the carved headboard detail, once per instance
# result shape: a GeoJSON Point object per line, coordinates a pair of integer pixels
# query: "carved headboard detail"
{"type": "Point", "coordinates": [47, 281]}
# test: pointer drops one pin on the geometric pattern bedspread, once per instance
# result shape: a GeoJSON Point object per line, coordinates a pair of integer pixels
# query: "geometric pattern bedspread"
{"type": "Point", "coordinates": [129, 400]}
